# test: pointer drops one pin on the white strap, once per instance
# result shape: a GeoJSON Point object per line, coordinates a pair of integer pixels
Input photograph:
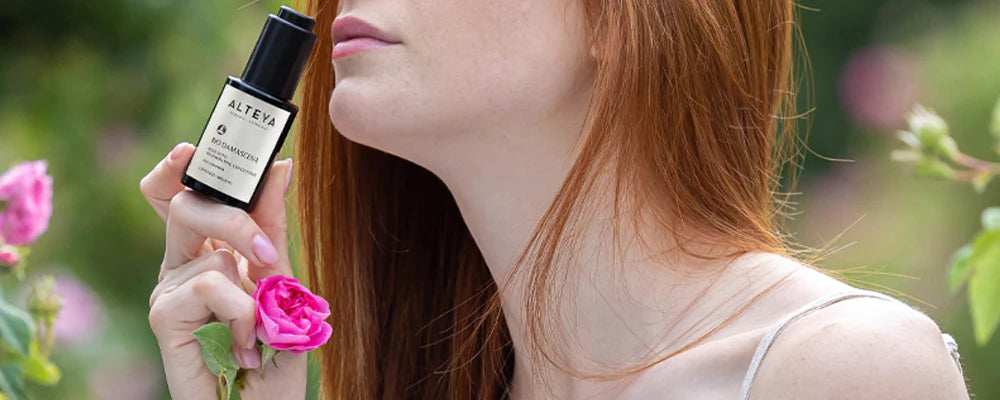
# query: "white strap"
{"type": "Point", "coordinates": [768, 339]}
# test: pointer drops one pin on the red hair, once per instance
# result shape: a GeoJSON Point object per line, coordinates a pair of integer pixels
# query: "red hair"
{"type": "Point", "coordinates": [697, 95]}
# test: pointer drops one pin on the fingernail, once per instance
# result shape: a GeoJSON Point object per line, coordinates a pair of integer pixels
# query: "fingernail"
{"type": "Point", "coordinates": [251, 358]}
{"type": "Point", "coordinates": [252, 344]}
{"type": "Point", "coordinates": [288, 179]}
{"type": "Point", "coordinates": [264, 249]}
{"type": "Point", "coordinates": [176, 152]}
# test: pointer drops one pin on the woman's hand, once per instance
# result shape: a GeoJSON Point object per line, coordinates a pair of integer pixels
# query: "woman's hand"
{"type": "Point", "coordinates": [212, 252]}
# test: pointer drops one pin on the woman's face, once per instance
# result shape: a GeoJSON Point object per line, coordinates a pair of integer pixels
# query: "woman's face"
{"type": "Point", "coordinates": [466, 71]}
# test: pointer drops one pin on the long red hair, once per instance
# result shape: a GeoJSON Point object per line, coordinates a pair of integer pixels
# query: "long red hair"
{"type": "Point", "coordinates": [697, 95]}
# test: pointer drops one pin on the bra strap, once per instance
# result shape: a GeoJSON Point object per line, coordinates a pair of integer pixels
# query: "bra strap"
{"type": "Point", "coordinates": [768, 339]}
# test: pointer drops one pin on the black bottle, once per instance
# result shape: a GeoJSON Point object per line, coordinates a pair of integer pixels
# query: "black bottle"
{"type": "Point", "coordinates": [253, 114]}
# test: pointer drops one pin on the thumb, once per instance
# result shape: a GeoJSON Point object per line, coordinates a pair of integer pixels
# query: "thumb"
{"type": "Point", "coordinates": [270, 215]}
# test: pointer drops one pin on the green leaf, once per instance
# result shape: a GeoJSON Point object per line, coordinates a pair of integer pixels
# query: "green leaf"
{"type": "Point", "coordinates": [984, 287]}
{"type": "Point", "coordinates": [40, 369]}
{"type": "Point", "coordinates": [958, 270]}
{"type": "Point", "coordinates": [10, 381]}
{"type": "Point", "coordinates": [16, 327]}
{"type": "Point", "coordinates": [267, 354]}
{"type": "Point", "coordinates": [934, 168]}
{"type": "Point", "coordinates": [979, 263]}
{"type": "Point", "coordinates": [216, 340]}
{"type": "Point", "coordinates": [991, 219]}
{"type": "Point", "coordinates": [231, 390]}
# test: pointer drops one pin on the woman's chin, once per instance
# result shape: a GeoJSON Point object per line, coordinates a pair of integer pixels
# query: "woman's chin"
{"type": "Point", "coordinates": [362, 119]}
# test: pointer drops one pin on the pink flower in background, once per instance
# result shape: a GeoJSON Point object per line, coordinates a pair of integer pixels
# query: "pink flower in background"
{"type": "Point", "coordinates": [8, 256]}
{"type": "Point", "coordinates": [878, 86]}
{"type": "Point", "coordinates": [289, 316]}
{"type": "Point", "coordinates": [26, 192]}
{"type": "Point", "coordinates": [81, 317]}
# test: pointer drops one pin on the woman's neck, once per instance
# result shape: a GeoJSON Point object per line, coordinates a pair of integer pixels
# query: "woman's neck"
{"type": "Point", "coordinates": [620, 308]}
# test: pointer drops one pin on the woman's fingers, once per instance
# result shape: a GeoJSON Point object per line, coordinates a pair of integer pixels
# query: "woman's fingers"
{"type": "Point", "coordinates": [193, 218]}
{"type": "Point", "coordinates": [222, 260]}
{"type": "Point", "coordinates": [269, 213]}
{"type": "Point", "coordinates": [204, 218]}
{"type": "Point", "coordinates": [164, 181]}
{"type": "Point", "coordinates": [177, 311]}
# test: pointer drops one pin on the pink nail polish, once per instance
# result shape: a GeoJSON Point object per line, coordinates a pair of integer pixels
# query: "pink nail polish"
{"type": "Point", "coordinates": [176, 152]}
{"type": "Point", "coordinates": [264, 250]}
{"type": "Point", "coordinates": [288, 179]}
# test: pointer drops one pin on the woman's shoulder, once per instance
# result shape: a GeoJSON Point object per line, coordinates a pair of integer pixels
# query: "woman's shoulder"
{"type": "Point", "coordinates": [864, 348]}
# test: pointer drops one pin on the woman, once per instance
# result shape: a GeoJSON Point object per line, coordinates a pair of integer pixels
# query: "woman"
{"type": "Point", "coordinates": [542, 199]}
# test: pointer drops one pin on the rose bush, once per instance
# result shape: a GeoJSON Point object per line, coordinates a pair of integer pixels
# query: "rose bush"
{"type": "Point", "coordinates": [25, 209]}
{"type": "Point", "coordinates": [25, 202]}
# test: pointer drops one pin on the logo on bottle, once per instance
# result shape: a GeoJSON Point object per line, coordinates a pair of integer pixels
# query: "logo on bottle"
{"type": "Point", "coordinates": [221, 130]}
{"type": "Point", "coordinates": [260, 117]}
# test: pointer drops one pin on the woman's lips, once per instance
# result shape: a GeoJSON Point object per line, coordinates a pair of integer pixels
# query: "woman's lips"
{"type": "Point", "coordinates": [354, 45]}
{"type": "Point", "coordinates": [351, 34]}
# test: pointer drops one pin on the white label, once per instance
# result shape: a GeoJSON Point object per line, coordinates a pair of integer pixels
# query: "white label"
{"type": "Point", "coordinates": [237, 143]}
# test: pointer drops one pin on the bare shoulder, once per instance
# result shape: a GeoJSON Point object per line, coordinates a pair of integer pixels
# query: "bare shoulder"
{"type": "Point", "coordinates": [862, 348]}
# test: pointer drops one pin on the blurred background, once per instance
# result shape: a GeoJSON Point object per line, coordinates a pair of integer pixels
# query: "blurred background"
{"type": "Point", "coordinates": [103, 90]}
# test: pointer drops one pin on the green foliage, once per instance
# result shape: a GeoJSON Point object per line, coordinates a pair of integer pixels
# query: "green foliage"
{"type": "Point", "coordinates": [11, 381]}
{"type": "Point", "coordinates": [22, 355]}
{"type": "Point", "coordinates": [933, 152]}
{"type": "Point", "coordinates": [16, 328]}
{"type": "Point", "coordinates": [979, 264]}
{"type": "Point", "coordinates": [216, 341]}
{"type": "Point", "coordinates": [38, 368]}
{"type": "Point", "coordinates": [267, 355]}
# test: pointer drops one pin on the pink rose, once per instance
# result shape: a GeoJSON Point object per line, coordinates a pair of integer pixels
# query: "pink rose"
{"type": "Point", "coordinates": [81, 317]}
{"type": "Point", "coordinates": [8, 256]}
{"type": "Point", "coordinates": [26, 194]}
{"type": "Point", "coordinates": [289, 316]}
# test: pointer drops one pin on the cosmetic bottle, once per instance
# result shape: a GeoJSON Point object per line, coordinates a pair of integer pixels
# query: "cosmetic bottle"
{"type": "Point", "coordinates": [252, 114]}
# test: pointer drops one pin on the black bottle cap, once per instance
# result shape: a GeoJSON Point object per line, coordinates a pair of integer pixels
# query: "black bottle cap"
{"type": "Point", "coordinates": [281, 52]}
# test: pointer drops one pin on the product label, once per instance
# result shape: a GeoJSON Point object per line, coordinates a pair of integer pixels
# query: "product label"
{"type": "Point", "coordinates": [237, 143]}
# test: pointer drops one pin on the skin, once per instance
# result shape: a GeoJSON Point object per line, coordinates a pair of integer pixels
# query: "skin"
{"type": "Point", "coordinates": [203, 271]}
{"type": "Point", "coordinates": [491, 97]}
